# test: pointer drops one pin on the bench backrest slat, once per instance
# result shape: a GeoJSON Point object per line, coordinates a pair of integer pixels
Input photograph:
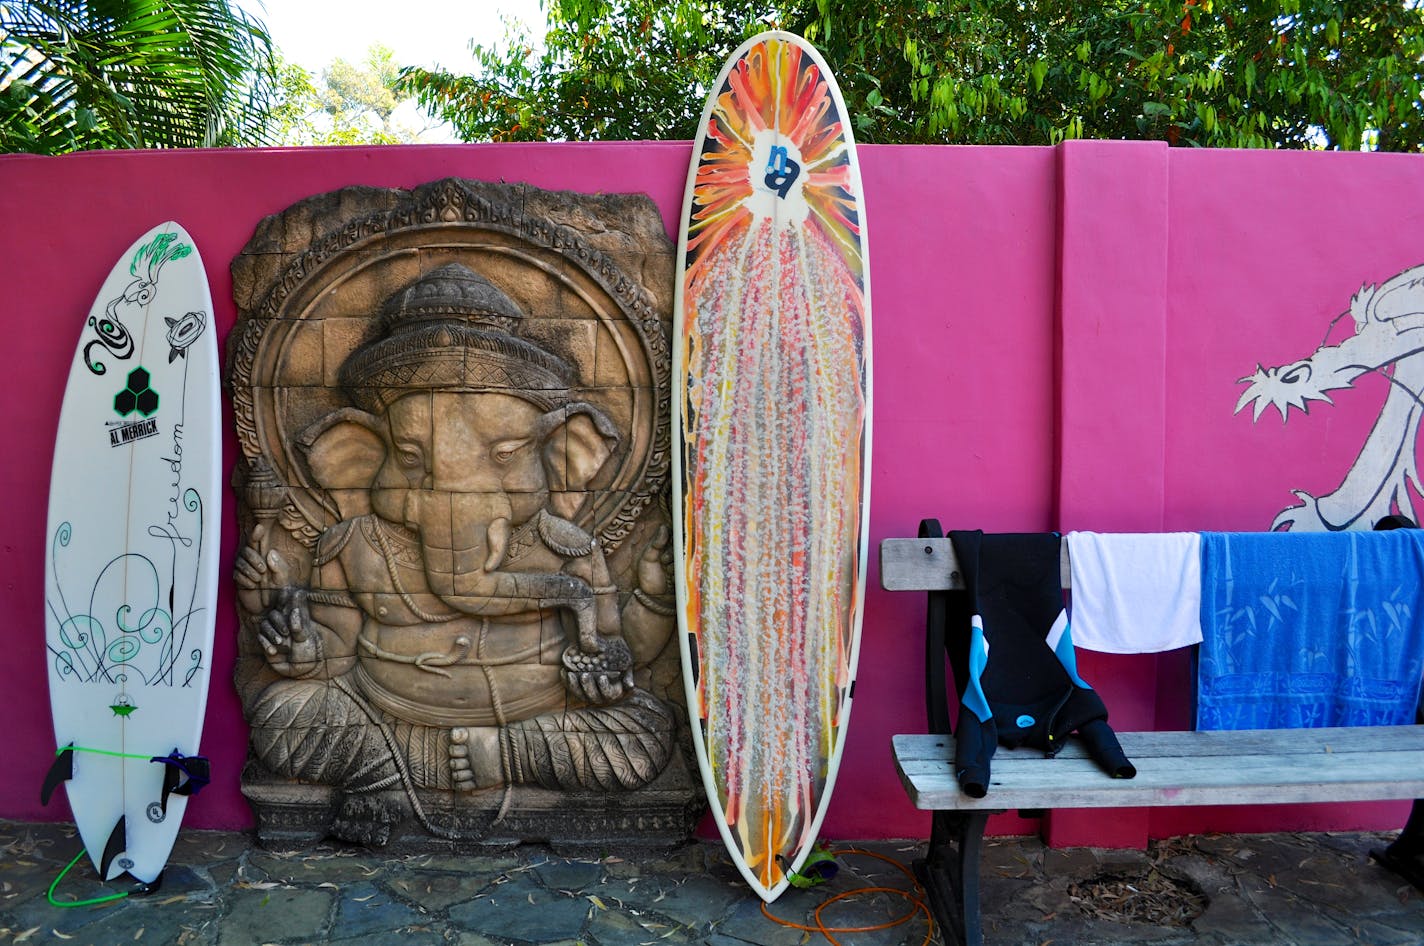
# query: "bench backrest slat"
{"type": "Point", "coordinates": [930, 565]}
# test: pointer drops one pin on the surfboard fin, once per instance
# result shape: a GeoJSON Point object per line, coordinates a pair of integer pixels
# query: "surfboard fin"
{"type": "Point", "coordinates": [184, 775]}
{"type": "Point", "coordinates": [118, 840]}
{"type": "Point", "coordinates": [61, 771]}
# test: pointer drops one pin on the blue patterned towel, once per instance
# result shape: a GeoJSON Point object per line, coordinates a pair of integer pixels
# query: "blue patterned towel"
{"type": "Point", "coordinates": [1302, 630]}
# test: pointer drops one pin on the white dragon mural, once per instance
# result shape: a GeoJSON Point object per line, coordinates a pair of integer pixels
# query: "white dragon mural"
{"type": "Point", "coordinates": [1389, 341]}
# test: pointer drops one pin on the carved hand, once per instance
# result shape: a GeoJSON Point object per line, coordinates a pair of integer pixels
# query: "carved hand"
{"type": "Point", "coordinates": [261, 568]}
{"type": "Point", "coordinates": [289, 636]}
{"type": "Point", "coordinates": [601, 678]}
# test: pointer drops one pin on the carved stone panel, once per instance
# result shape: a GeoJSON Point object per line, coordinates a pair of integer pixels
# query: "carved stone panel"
{"type": "Point", "coordinates": [453, 584]}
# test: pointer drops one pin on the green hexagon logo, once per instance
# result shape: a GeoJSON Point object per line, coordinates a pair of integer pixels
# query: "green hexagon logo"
{"type": "Point", "coordinates": [136, 396]}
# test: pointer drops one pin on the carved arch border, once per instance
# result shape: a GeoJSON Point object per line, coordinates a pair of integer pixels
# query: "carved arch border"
{"type": "Point", "coordinates": [459, 215]}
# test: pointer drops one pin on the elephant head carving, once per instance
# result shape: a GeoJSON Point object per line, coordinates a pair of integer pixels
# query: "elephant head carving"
{"type": "Point", "coordinates": [462, 433]}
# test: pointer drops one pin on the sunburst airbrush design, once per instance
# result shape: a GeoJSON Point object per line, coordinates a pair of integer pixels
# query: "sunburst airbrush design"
{"type": "Point", "coordinates": [774, 96]}
{"type": "Point", "coordinates": [774, 439]}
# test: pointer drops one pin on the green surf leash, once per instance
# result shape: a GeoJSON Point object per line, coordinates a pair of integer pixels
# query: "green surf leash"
{"type": "Point", "coordinates": [108, 752]}
{"type": "Point", "coordinates": [107, 898]}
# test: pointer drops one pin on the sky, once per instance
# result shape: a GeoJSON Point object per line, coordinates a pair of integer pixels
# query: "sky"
{"type": "Point", "coordinates": [421, 32]}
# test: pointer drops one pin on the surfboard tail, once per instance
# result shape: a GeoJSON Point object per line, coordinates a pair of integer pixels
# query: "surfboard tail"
{"type": "Point", "coordinates": [113, 849]}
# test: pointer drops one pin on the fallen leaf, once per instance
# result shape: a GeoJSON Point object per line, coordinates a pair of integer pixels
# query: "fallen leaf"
{"type": "Point", "coordinates": [27, 934]}
{"type": "Point", "coordinates": [597, 902]}
{"type": "Point", "coordinates": [62, 935]}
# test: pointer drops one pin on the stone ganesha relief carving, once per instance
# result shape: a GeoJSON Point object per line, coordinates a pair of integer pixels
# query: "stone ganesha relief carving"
{"type": "Point", "coordinates": [453, 577]}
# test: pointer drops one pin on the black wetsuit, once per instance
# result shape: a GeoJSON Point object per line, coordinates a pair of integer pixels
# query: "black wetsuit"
{"type": "Point", "coordinates": [1015, 667]}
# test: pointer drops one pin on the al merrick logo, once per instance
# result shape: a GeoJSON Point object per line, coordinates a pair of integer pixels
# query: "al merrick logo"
{"type": "Point", "coordinates": [136, 398]}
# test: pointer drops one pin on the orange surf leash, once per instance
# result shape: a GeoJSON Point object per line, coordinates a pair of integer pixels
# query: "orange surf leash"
{"type": "Point", "coordinates": [915, 896]}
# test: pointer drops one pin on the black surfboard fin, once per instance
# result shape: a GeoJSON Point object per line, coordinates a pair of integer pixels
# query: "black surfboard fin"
{"type": "Point", "coordinates": [61, 771]}
{"type": "Point", "coordinates": [183, 775]}
{"type": "Point", "coordinates": [118, 840]}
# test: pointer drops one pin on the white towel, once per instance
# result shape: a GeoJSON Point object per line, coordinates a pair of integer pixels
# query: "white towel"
{"type": "Point", "coordinates": [1135, 593]}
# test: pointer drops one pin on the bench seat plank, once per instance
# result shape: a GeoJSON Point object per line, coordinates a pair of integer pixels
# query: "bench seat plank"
{"type": "Point", "coordinates": [1222, 742]}
{"type": "Point", "coordinates": [1238, 768]}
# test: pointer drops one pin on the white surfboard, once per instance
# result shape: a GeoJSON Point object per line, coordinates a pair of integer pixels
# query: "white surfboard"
{"type": "Point", "coordinates": [131, 555]}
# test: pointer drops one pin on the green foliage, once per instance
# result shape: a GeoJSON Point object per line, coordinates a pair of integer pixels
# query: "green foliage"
{"type": "Point", "coordinates": [77, 74]}
{"type": "Point", "coordinates": [351, 104]}
{"type": "Point", "coordinates": [1289, 73]}
{"type": "Point", "coordinates": [1223, 73]}
{"type": "Point", "coordinates": [606, 69]}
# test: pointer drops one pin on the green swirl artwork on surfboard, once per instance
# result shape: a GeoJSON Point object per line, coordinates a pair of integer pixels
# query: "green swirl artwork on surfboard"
{"type": "Point", "coordinates": [141, 639]}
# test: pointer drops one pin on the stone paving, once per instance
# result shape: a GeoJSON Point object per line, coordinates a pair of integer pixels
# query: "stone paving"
{"type": "Point", "coordinates": [1260, 890]}
{"type": "Point", "coordinates": [1299, 889]}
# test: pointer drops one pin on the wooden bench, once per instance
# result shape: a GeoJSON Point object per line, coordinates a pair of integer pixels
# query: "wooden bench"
{"type": "Point", "coordinates": [1173, 768]}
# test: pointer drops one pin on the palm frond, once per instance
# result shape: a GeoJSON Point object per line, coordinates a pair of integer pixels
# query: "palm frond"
{"type": "Point", "coordinates": [133, 73]}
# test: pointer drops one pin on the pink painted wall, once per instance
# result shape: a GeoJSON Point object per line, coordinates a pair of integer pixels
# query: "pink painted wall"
{"type": "Point", "coordinates": [1058, 334]}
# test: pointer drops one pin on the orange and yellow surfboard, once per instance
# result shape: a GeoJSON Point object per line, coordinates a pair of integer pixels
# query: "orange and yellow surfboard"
{"type": "Point", "coordinates": [771, 432]}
